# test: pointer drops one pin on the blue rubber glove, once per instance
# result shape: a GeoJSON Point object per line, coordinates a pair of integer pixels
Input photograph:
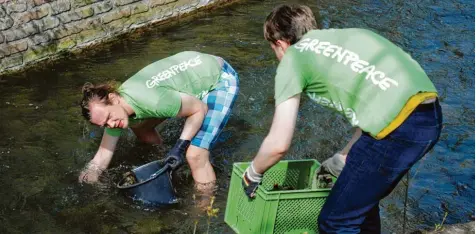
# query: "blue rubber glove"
{"type": "Point", "coordinates": [250, 181]}
{"type": "Point", "coordinates": [176, 156]}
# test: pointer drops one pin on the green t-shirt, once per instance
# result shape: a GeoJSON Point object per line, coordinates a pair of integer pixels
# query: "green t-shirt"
{"type": "Point", "coordinates": [353, 71]}
{"type": "Point", "coordinates": [154, 91]}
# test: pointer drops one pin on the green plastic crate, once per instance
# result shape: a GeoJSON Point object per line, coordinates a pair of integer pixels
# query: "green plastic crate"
{"type": "Point", "coordinates": [284, 211]}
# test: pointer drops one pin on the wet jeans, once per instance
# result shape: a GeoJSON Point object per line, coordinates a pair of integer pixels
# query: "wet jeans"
{"type": "Point", "coordinates": [373, 169]}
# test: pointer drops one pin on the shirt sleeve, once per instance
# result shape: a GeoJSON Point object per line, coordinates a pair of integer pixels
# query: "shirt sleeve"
{"type": "Point", "coordinates": [115, 132]}
{"type": "Point", "coordinates": [289, 79]}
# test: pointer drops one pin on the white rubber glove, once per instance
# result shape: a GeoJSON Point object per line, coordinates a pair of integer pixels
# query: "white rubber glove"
{"type": "Point", "coordinates": [334, 164]}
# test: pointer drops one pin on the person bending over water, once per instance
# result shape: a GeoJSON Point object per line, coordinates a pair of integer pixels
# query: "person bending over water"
{"type": "Point", "coordinates": [378, 87]}
{"type": "Point", "coordinates": [200, 87]}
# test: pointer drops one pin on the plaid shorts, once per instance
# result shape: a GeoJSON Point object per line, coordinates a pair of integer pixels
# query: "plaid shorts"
{"type": "Point", "coordinates": [220, 102]}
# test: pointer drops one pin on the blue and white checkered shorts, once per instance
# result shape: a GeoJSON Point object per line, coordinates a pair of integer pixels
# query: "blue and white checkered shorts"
{"type": "Point", "coordinates": [220, 102]}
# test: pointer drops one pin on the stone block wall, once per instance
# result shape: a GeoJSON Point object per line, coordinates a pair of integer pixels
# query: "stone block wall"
{"type": "Point", "coordinates": [34, 30]}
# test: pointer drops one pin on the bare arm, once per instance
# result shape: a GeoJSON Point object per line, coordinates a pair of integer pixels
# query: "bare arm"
{"type": "Point", "coordinates": [355, 137]}
{"type": "Point", "coordinates": [101, 160]}
{"type": "Point", "coordinates": [278, 140]}
{"type": "Point", "coordinates": [106, 150]}
{"type": "Point", "coordinates": [195, 111]}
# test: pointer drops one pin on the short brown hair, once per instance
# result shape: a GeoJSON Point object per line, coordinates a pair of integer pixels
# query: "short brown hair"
{"type": "Point", "coordinates": [289, 23]}
{"type": "Point", "coordinates": [96, 92]}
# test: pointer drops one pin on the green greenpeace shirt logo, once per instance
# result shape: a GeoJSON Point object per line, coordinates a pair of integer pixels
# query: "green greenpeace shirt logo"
{"type": "Point", "coordinates": [154, 91]}
{"type": "Point", "coordinates": [173, 71]}
{"type": "Point", "coordinates": [356, 72]}
{"type": "Point", "coordinates": [348, 58]}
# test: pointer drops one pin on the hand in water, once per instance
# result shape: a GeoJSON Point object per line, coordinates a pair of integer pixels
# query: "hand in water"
{"type": "Point", "coordinates": [90, 174]}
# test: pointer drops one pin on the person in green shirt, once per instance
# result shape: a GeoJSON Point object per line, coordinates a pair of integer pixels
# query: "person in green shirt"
{"type": "Point", "coordinates": [375, 85]}
{"type": "Point", "coordinates": [200, 87]}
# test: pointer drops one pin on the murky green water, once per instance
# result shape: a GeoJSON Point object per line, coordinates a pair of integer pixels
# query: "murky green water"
{"type": "Point", "coordinates": [44, 142]}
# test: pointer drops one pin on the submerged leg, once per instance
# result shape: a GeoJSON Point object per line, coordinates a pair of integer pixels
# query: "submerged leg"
{"type": "Point", "coordinates": [199, 161]}
{"type": "Point", "coordinates": [146, 132]}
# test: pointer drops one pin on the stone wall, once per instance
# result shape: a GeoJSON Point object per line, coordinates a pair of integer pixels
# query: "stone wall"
{"type": "Point", "coordinates": [34, 30]}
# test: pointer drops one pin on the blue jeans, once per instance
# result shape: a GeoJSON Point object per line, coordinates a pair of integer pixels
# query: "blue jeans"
{"type": "Point", "coordinates": [373, 169]}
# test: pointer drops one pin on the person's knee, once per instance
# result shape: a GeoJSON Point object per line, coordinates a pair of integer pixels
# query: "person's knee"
{"type": "Point", "coordinates": [194, 158]}
{"type": "Point", "coordinates": [150, 139]}
{"type": "Point", "coordinates": [197, 157]}
{"type": "Point", "coordinates": [149, 136]}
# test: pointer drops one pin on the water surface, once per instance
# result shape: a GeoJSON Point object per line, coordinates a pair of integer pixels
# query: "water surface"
{"type": "Point", "coordinates": [45, 142]}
